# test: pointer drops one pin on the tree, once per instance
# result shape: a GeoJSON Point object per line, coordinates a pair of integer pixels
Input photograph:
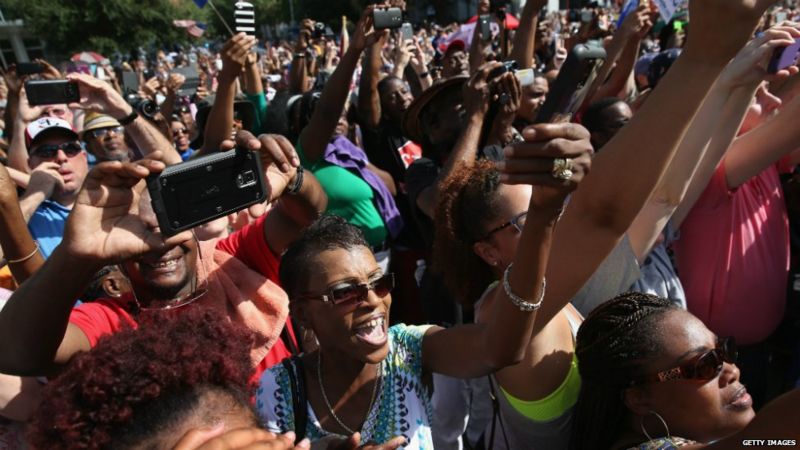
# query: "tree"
{"type": "Point", "coordinates": [104, 26]}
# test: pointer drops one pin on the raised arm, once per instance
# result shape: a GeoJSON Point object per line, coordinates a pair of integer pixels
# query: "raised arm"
{"type": "Point", "coordinates": [298, 73]}
{"type": "Point", "coordinates": [479, 349]}
{"type": "Point", "coordinates": [315, 137]}
{"type": "Point", "coordinates": [219, 125]}
{"type": "Point", "coordinates": [709, 135]}
{"type": "Point", "coordinates": [476, 104]}
{"type": "Point", "coordinates": [625, 47]}
{"type": "Point", "coordinates": [17, 247]}
{"type": "Point", "coordinates": [103, 228]}
{"type": "Point", "coordinates": [753, 152]}
{"type": "Point", "coordinates": [99, 96]}
{"type": "Point", "coordinates": [623, 178]}
{"type": "Point", "coordinates": [525, 37]}
{"type": "Point", "coordinates": [297, 196]}
{"type": "Point", "coordinates": [369, 102]}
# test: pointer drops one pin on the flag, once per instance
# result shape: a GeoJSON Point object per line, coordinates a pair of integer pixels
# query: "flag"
{"type": "Point", "coordinates": [192, 27]}
{"type": "Point", "coordinates": [630, 6]}
{"type": "Point", "coordinates": [200, 3]}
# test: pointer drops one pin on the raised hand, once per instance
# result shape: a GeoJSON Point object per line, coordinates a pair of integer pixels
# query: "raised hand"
{"type": "Point", "coordinates": [278, 157]}
{"type": "Point", "coordinates": [507, 93]}
{"type": "Point", "coordinates": [99, 96]}
{"type": "Point", "coordinates": [174, 82]}
{"type": "Point", "coordinates": [13, 81]}
{"type": "Point", "coordinates": [234, 53]}
{"type": "Point", "coordinates": [27, 113]}
{"type": "Point", "coordinates": [104, 226]}
{"type": "Point", "coordinates": [721, 27]}
{"type": "Point", "coordinates": [750, 65]}
{"type": "Point", "coordinates": [477, 92]}
{"type": "Point", "coordinates": [637, 23]}
{"type": "Point", "coordinates": [553, 157]}
{"type": "Point", "coordinates": [49, 72]}
{"type": "Point", "coordinates": [365, 33]}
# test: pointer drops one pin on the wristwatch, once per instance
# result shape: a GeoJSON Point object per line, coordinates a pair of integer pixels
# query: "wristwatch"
{"type": "Point", "coordinates": [127, 120]}
{"type": "Point", "coordinates": [297, 183]}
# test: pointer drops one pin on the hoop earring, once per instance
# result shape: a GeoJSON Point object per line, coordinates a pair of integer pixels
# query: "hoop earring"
{"type": "Point", "coordinates": [663, 422]}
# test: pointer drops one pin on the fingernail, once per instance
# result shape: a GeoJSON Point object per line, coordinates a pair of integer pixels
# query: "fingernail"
{"type": "Point", "coordinates": [295, 161]}
{"type": "Point", "coordinates": [305, 443]}
{"type": "Point", "coordinates": [289, 435]}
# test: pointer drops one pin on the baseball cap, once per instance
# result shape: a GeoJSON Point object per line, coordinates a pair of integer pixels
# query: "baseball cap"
{"type": "Point", "coordinates": [47, 126]}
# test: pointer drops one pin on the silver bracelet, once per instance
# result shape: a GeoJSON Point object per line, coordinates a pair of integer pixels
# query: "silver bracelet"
{"type": "Point", "coordinates": [519, 302]}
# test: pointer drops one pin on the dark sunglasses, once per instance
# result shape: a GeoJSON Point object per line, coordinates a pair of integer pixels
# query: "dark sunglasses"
{"type": "Point", "coordinates": [355, 292]}
{"type": "Point", "coordinates": [704, 367]}
{"type": "Point", "coordinates": [180, 131]}
{"type": "Point", "coordinates": [102, 132]}
{"type": "Point", "coordinates": [50, 151]}
{"type": "Point", "coordinates": [518, 222]}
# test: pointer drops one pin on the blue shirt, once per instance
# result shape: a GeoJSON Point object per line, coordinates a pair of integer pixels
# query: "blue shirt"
{"type": "Point", "coordinates": [47, 225]}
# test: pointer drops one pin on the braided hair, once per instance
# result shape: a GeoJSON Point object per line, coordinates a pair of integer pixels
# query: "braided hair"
{"type": "Point", "coordinates": [613, 346]}
{"type": "Point", "coordinates": [467, 204]}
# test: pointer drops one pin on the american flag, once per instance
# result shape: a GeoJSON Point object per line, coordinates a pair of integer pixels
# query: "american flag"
{"type": "Point", "coordinates": [192, 27]}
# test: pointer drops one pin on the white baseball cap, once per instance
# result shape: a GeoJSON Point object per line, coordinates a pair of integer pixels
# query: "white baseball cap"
{"type": "Point", "coordinates": [47, 126]}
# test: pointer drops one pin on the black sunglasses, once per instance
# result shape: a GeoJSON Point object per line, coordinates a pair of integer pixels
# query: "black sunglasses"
{"type": "Point", "coordinates": [50, 151]}
{"type": "Point", "coordinates": [356, 292]}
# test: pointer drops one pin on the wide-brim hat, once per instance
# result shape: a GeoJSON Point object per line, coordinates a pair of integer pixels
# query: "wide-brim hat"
{"type": "Point", "coordinates": [412, 127]}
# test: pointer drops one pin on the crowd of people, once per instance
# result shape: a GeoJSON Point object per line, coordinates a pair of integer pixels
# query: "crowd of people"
{"type": "Point", "coordinates": [434, 267]}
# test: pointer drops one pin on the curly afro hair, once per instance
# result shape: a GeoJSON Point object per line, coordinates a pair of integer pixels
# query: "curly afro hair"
{"type": "Point", "coordinates": [467, 204]}
{"type": "Point", "coordinates": [139, 384]}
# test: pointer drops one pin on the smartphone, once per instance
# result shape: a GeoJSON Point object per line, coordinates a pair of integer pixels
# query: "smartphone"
{"type": "Point", "coordinates": [571, 87]}
{"type": "Point", "coordinates": [52, 92]}
{"type": "Point", "coordinates": [244, 15]}
{"type": "Point", "coordinates": [29, 68]}
{"type": "Point", "coordinates": [198, 191]}
{"type": "Point", "coordinates": [387, 18]}
{"type": "Point", "coordinates": [784, 57]}
{"type": "Point", "coordinates": [779, 17]}
{"type": "Point", "coordinates": [406, 32]}
{"type": "Point", "coordinates": [485, 22]}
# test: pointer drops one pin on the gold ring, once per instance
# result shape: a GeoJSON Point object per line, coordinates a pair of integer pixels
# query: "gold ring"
{"type": "Point", "coordinates": [562, 169]}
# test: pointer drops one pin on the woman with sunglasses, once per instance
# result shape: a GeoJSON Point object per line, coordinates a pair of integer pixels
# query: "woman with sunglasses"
{"type": "Point", "coordinates": [180, 138]}
{"type": "Point", "coordinates": [367, 377]}
{"type": "Point", "coordinates": [654, 377]}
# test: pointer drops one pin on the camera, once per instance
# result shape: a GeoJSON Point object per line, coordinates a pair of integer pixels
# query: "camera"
{"type": "Point", "coordinates": [508, 66]}
{"type": "Point", "coordinates": [387, 18]}
{"type": "Point", "coordinates": [319, 30]}
{"type": "Point", "coordinates": [144, 106]}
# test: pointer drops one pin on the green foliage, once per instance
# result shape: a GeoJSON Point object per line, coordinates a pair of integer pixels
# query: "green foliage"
{"type": "Point", "coordinates": [104, 26]}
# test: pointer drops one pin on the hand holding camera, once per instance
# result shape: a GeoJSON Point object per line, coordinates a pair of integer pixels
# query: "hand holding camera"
{"type": "Point", "coordinates": [365, 33]}
{"type": "Point", "coordinates": [99, 96]}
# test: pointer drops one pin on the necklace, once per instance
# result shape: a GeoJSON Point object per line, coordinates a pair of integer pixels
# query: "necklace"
{"type": "Point", "coordinates": [328, 403]}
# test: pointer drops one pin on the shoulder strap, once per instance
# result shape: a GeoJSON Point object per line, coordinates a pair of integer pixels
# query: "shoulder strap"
{"type": "Point", "coordinates": [299, 400]}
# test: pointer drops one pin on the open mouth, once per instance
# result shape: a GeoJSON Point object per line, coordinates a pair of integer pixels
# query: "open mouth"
{"type": "Point", "coordinates": [373, 332]}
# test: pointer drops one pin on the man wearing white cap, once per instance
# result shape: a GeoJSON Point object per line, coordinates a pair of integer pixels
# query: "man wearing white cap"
{"type": "Point", "coordinates": [59, 166]}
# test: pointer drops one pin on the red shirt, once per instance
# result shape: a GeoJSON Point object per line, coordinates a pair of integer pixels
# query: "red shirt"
{"type": "Point", "coordinates": [107, 315]}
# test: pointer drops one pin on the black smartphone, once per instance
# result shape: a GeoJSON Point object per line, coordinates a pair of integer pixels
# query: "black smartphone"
{"type": "Point", "coordinates": [406, 32]}
{"type": "Point", "coordinates": [29, 68]}
{"type": "Point", "coordinates": [572, 85]}
{"type": "Point", "coordinates": [52, 92]}
{"type": "Point", "coordinates": [485, 22]}
{"type": "Point", "coordinates": [244, 14]}
{"type": "Point", "coordinates": [387, 18]}
{"type": "Point", "coordinates": [784, 57]}
{"type": "Point", "coordinates": [198, 191]}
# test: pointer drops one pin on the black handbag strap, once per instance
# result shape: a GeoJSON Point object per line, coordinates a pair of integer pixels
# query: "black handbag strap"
{"type": "Point", "coordinates": [299, 400]}
{"type": "Point", "coordinates": [496, 417]}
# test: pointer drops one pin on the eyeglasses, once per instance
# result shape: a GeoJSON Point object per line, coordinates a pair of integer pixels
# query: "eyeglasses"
{"type": "Point", "coordinates": [355, 292]}
{"type": "Point", "coordinates": [518, 222]}
{"type": "Point", "coordinates": [180, 131]}
{"type": "Point", "coordinates": [102, 132]}
{"type": "Point", "coordinates": [50, 151]}
{"type": "Point", "coordinates": [704, 367]}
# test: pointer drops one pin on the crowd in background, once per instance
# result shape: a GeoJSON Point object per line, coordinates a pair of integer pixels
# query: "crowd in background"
{"type": "Point", "coordinates": [629, 278]}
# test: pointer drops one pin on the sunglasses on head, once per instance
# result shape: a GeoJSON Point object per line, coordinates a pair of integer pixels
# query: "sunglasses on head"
{"type": "Point", "coordinates": [50, 151]}
{"type": "Point", "coordinates": [704, 367]}
{"type": "Point", "coordinates": [350, 293]}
